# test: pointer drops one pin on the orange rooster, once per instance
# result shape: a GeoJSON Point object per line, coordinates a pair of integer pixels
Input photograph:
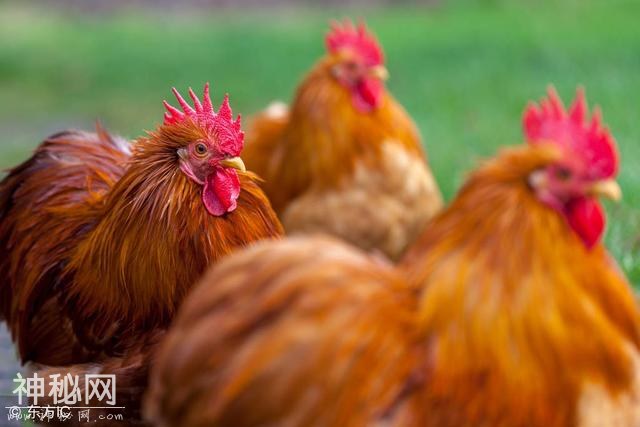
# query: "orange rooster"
{"type": "Point", "coordinates": [507, 312]}
{"type": "Point", "coordinates": [347, 159]}
{"type": "Point", "coordinates": [99, 245]}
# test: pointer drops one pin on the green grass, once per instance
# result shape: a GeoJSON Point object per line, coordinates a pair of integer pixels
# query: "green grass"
{"type": "Point", "coordinates": [463, 69]}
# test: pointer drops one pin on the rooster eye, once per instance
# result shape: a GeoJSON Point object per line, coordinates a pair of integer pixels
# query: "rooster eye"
{"type": "Point", "coordinates": [351, 66]}
{"type": "Point", "coordinates": [201, 149]}
{"type": "Point", "coordinates": [563, 174]}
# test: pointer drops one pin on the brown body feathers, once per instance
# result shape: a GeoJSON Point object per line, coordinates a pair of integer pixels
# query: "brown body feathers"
{"type": "Point", "coordinates": [295, 344]}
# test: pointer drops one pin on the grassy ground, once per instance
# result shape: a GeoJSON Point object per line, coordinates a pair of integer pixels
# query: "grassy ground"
{"type": "Point", "coordinates": [463, 69]}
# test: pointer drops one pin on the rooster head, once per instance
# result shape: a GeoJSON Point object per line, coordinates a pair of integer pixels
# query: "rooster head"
{"type": "Point", "coordinates": [586, 166]}
{"type": "Point", "coordinates": [357, 63]}
{"type": "Point", "coordinates": [210, 145]}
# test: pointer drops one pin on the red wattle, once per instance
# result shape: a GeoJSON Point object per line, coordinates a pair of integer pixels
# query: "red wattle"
{"type": "Point", "coordinates": [586, 217]}
{"type": "Point", "coordinates": [221, 191]}
{"type": "Point", "coordinates": [368, 94]}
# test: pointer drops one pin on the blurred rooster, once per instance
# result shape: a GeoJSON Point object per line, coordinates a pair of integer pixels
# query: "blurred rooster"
{"type": "Point", "coordinates": [507, 312]}
{"type": "Point", "coordinates": [99, 246]}
{"type": "Point", "coordinates": [347, 159]}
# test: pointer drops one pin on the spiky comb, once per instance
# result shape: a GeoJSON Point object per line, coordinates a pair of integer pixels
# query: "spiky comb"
{"type": "Point", "coordinates": [590, 142]}
{"type": "Point", "coordinates": [358, 40]}
{"type": "Point", "coordinates": [228, 133]}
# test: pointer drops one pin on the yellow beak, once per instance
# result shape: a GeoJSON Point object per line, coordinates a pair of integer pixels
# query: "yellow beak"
{"type": "Point", "coordinates": [608, 188]}
{"type": "Point", "coordinates": [234, 162]}
{"type": "Point", "coordinates": [380, 72]}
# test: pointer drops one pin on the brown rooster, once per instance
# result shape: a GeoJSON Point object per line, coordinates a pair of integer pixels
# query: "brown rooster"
{"type": "Point", "coordinates": [99, 245]}
{"type": "Point", "coordinates": [507, 312]}
{"type": "Point", "coordinates": [347, 159]}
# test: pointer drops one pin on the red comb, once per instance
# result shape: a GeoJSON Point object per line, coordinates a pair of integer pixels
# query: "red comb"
{"type": "Point", "coordinates": [221, 124]}
{"type": "Point", "coordinates": [359, 40]}
{"type": "Point", "coordinates": [589, 141]}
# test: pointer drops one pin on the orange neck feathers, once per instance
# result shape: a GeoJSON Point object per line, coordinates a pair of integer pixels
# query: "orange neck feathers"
{"type": "Point", "coordinates": [326, 134]}
{"type": "Point", "coordinates": [513, 304]}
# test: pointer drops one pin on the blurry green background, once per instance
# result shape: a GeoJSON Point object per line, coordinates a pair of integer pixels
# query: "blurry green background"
{"type": "Point", "coordinates": [463, 69]}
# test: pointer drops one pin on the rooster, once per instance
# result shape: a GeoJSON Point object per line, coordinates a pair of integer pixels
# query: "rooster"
{"type": "Point", "coordinates": [102, 239]}
{"type": "Point", "coordinates": [347, 159]}
{"type": "Point", "coordinates": [507, 311]}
